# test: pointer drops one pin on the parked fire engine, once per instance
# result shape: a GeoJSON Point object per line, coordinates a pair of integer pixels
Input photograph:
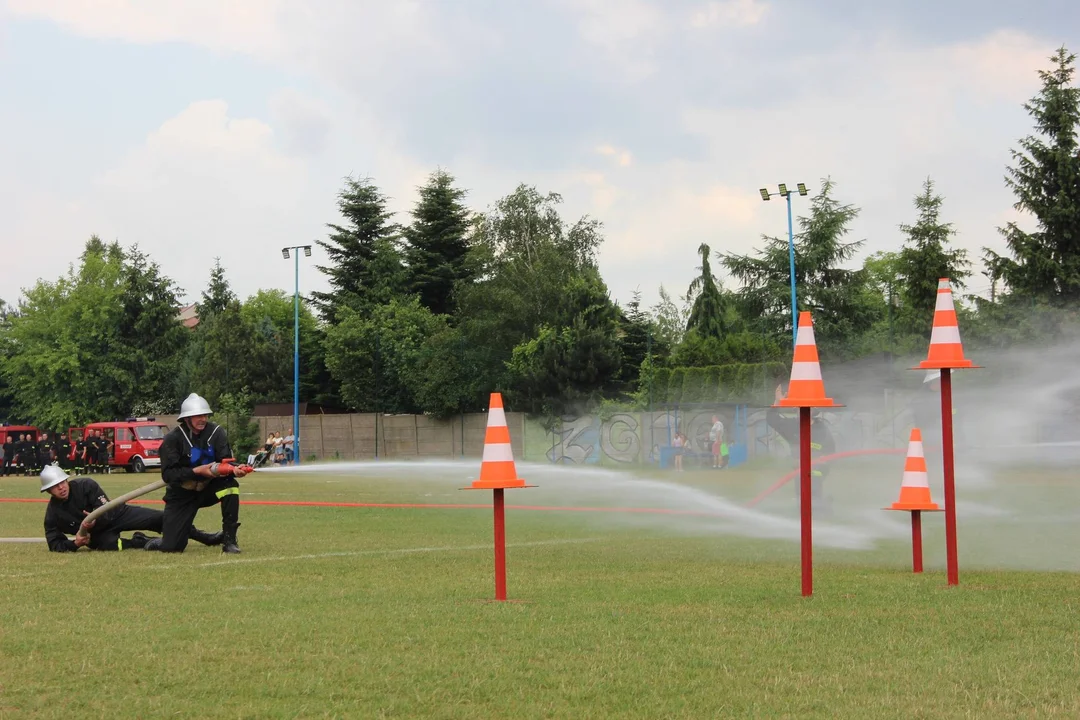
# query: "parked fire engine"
{"type": "Point", "coordinates": [134, 441]}
{"type": "Point", "coordinates": [15, 431]}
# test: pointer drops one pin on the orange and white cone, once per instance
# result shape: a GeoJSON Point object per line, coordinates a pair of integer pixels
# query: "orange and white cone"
{"type": "Point", "coordinates": [806, 388]}
{"type": "Point", "coordinates": [497, 469]}
{"type": "Point", "coordinates": [915, 488]}
{"type": "Point", "coordinates": [946, 350]}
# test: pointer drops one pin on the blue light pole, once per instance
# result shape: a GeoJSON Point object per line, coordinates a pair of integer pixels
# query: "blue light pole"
{"type": "Point", "coordinates": [784, 193]}
{"type": "Point", "coordinates": [296, 345]}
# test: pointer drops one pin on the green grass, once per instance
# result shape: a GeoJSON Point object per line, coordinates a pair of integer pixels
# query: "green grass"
{"type": "Point", "coordinates": [379, 612]}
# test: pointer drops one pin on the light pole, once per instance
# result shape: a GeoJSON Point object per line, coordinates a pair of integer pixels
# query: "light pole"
{"type": "Point", "coordinates": [784, 193]}
{"type": "Point", "coordinates": [296, 345]}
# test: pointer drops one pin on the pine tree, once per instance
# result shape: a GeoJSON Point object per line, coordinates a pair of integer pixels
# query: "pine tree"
{"type": "Point", "coordinates": [707, 312]}
{"type": "Point", "coordinates": [438, 243]}
{"type": "Point", "coordinates": [1046, 181]}
{"type": "Point", "coordinates": [357, 249]}
{"type": "Point", "coordinates": [218, 294]}
{"type": "Point", "coordinates": [926, 257]}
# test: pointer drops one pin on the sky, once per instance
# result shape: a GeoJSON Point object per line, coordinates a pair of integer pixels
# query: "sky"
{"type": "Point", "coordinates": [203, 129]}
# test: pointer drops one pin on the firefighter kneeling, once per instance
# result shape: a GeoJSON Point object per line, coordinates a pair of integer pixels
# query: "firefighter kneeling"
{"type": "Point", "coordinates": [197, 470]}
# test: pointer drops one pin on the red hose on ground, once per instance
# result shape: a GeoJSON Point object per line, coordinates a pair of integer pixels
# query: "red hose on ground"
{"type": "Point", "coordinates": [819, 461]}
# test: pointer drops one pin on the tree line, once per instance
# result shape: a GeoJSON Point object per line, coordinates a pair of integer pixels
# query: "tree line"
{"type": "Point", "coordinates": [431, 315]}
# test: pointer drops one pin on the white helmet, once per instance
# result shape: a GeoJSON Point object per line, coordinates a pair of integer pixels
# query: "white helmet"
{"type": "Point", "coordinates": [52, 475]}
{"type": "Point", "coordinates": [931, 376]}
{"type": "Point", "coordinates": [194, 405]}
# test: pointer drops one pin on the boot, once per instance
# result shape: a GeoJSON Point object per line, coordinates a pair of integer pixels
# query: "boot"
{"type": "Point", "coordinates": [201, 536]}
{"type": "Point", "coordinates": [230, 545]}
{"type": "Point", "coordinates": [138, 541]}
{"type": "Point", "coordinates": [152, 544]}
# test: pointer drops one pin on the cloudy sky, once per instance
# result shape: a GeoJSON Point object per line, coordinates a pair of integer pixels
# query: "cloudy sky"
{"type": "Point", "coordinates": [223, 128]}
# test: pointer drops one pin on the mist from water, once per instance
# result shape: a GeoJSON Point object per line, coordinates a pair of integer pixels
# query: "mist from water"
{"type": "Point", "coordinates": [1017, 435]}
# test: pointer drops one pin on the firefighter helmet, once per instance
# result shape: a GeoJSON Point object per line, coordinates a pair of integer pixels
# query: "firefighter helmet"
{"type": "Point", "coordinates": [51, 476]}
{"type": "Point", "coordinates": [193, 405]}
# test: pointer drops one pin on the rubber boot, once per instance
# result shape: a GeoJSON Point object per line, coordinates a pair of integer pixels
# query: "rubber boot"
{"type": "Point", "coordinates": [138, 541]}
{"type": "Point", "coordinates": [201, 536]}
{"type": "Point", "coordinates": [230, 545]}
{"type": "Point", "coordinates": [152, 544]}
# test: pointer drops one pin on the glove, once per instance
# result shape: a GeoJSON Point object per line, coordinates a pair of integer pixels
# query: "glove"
{"type": "Point", "coordinates": [225, 469]}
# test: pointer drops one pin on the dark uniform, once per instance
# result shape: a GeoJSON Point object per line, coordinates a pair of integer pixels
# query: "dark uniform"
{"type": "Point", "coordinates": [8, 451]}
{"type": "Point", "coordinates": [181, 451]}
{"type": "Point", "coordinates": [80, 454]}
{"type": "Point", "coordinates": [44, 453]}
{"type": "Point", "coordinates": [63, 452]}
{"type": "Point", "coordinates": [63, 518]}
{"type": "Point", "coordinates": [821, 444]}
{"type": "Point", "coordinates": [25, 454]}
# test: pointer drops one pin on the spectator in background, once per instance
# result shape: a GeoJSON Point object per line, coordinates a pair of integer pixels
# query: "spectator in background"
{"type": "Point", "coordinates": [8, 452]}
{"type": "Point", "coordinates": [679, 443]}
{"type": "Point", "coordinates": [279, 449]}
{"type": "Point", "coordinates": [289, 443]}
{"type": "Point", "coordinates": [716, 438]}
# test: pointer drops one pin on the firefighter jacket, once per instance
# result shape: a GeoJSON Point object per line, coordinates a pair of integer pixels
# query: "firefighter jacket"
{"type": "Point", "coordinates": [182, 450]}
{"type": "Point", "coordinates": [63, 518]}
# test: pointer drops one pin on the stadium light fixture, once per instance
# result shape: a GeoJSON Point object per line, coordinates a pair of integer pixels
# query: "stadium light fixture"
{"type": "Point", "coordinates": [784, 193]}
{"type": "Point", "coordinates": [296, 345]}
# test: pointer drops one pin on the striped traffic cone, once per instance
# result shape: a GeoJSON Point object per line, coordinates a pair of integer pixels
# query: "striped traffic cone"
{"type": "Point", "coordinates": [946, 350]}
{"type": "Point", "coordinates": [806, 388]}
{"type": "Point", "coordinates": [915, 487]}
{"type": "Point", "coordinates": [497, 469]}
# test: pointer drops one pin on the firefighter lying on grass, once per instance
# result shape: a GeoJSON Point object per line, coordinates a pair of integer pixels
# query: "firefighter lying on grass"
{"type": "Point", "coordinates": [75, 498]}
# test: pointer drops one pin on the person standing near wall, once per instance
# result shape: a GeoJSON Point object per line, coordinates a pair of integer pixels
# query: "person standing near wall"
{"type": "Point", "coordinates": [716, 439]}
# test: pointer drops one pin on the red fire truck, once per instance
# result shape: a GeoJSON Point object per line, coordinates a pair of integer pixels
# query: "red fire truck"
{"type": "Point", "coordinates": [14, 431]}
{"type": "Point", "coordinates": [134, 441]}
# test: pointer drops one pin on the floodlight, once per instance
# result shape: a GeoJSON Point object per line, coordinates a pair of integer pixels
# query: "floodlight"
{"type": "Point", "coordinates": [802, 189]}
{"type": "Point", "coordinates": [285, 253]}
{"type": "Point", "coordinates": [307, 251]}
{"type": "Point", "coordinates": [783, 189]}
{"type": "Point", "coordinates": [765, 194]}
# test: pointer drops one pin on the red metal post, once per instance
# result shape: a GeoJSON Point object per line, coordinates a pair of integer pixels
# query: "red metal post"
{"type": "Point", "coordinates": [916, 541]}
{"type": "Point", "coordinates": [805, 508]}
{"type": "Point", "coordinates": [500, 545]}
{"type": "Point", "coordinates": [950, 481]}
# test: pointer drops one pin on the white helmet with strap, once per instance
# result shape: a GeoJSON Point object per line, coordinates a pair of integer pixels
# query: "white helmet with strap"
{"type": "Point", "coordinates": [51, 476]}
{"type": "Point", "coordinates": [193, 405]}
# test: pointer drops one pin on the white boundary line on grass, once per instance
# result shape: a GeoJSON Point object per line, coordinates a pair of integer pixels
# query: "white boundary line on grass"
{"type": "Point", "coordinates": [316, 556]}
{"type": "Point", "coordinates": [361, 553]}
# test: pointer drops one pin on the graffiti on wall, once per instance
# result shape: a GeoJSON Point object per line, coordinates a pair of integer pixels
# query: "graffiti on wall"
{"type": "Point", "coordinates": [639, 437]}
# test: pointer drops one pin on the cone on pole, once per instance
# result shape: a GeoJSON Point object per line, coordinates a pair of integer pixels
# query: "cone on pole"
{"type": "Point", "coordinates": [946, 350]}
{"type": "Point", "coordinates": [915, 487]}
{"type": "Point", "coordinates": [497, 469]}
{"type": "Point", "coordinates": [806, 388]}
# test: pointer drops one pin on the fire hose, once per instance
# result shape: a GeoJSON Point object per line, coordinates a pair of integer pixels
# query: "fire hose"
{"type": "Point", "coordinates": [127, 497]}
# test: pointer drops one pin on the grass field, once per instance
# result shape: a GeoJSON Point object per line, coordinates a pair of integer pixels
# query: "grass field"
{"type": "Point", "coordinates": [384, 612]}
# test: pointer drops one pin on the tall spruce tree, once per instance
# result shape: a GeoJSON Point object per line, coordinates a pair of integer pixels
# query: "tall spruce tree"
{"type": "Point", "coordinates": [362, 250]}
{"type": "Point", "coordinates": [437, 243]}
{"type": "Point", "coordinates": [707, 311]}
{"type": "Point", "coordinates": [1045, 264]}
{"type": "Point", "coordinates": [925, 257]}
{"type": "Point", "coordinates": [218, 295]}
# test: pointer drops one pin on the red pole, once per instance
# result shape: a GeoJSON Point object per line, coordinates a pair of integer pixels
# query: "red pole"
{"type": "Point", "coordinates": [500, 546]}
{"type": "Point", "coordinates": [950, 482]}
{"type": "Point", "coordinates": [805, 514]}
{"type": "Point", "coordinates": [916, 541]}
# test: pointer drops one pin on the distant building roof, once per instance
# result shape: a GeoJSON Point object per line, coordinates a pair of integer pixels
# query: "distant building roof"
{"type": "Point", "coordinates": [188, 316]}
